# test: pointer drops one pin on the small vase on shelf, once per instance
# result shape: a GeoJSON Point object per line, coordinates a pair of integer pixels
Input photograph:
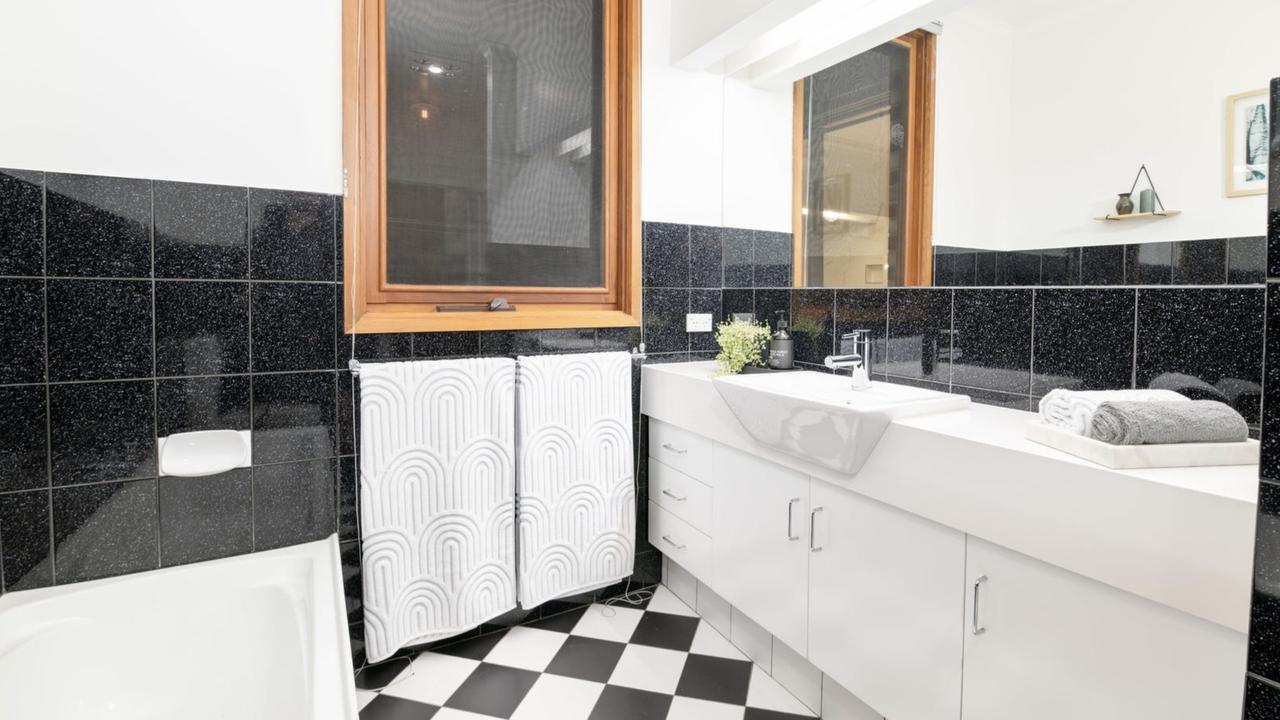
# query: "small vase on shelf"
{"type": "Point", "coordinates": [1124, 206]}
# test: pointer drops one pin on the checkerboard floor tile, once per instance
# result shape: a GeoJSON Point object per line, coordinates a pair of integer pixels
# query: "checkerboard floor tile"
{"type": "Point", "coordinates": [652, 662]}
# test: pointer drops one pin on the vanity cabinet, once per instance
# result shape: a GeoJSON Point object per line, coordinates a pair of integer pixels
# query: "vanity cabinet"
{"type": "Point", "coordinates": [761, 530]}
{"type": "Point", "coordinates": [1041, 642]}
{"type": "Point", "coordinates": [885, 596]}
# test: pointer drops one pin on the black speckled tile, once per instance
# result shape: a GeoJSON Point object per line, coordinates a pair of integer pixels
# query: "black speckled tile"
{"type": "Point", "coordinates": [202, 403]}
{"type": "Point", "coordinates": [623, 338]}
{"type": "Point", "coordinates": [995, 398]}
{"type": "Point", "coordinates": [1247, 260]}
{"type": "Point", "coordinates": [705, 301]}
{"type": "Point", "coordinates": [919, 334]}
{"type": "Point", "coordinates": [1102, 265]}
{"type": "Point", "coordinates": [1060, 266]}
{"type": "Point", "coordinates": [573, 340]}
{"type": "Point", "coordinates": [664, 321]}
{"type": "Point", "coordinates": [202, 328]}
{"type": "Point", "coordinates": [1203, 342]}
{"type": "Point", "coordinates": [666, 255]}
{"type": "Point", "coordinates": [985, 268]}
{"type": "Point", "coordinates": [863, 310]}
{"type": "Point", "coordinates": [944, 267]}
{"type": "Point", "coordinates": [291, 235]}
{"type": "Point", "coordinates": [104, 530]}
{"type": "Point", "coordinates": [293, 417]}
{"type": "Point", "coordinates": [767, 304]}
{"type": "Point", "coordinates": [738, 248]}
{"type": "Point", "coordinates": [22, 331]}
{"type": "Point", "coordinates": [375, 348]}
{"type": "Point", "coordinates": [201, 231]}
{"type": "Point", "coordinates": [25, 553]}
{"type": "Point", "coordinates": [293, 326]}
{"type": "Point", "coordinates": [1261, 699]}
{"type": "Point", "coordinates": [352, 582]}
{"type": "Point", "coordinates": [294, 503]}
{"type": "Point", "coordinates": [1018, 268]}
{"type": "Point", "coordinates": [772, 259]}
{"type": "Point", "coordinates": [964, 269]}
{"type": "Point", "coordinates": [97, 226]}
{"type": "Point", "coordinates": [1148, 264]}
{"type": "Point", "coordinates": [348, 500]}
{"type": "Point", "coordinates": [446, 344]}
{"type": "Point", "coordinates": [24, 447]}
{"type": "Point", "coordinates": [991, 344]}
{"type": "Point", "coordinates": [737, 300]}
{"type": "Point", "coordinates": [347, 409]}
{"type": "Point", "coordinates": [705, 257]}
{"type": "Point", "coordinates": [21, 222]}
{"type": "Point", "coordinates": [1264, 635]}
{"type": "Point", "coordinates": [813, 324]}
{"type": "Point", "coordinates": [1067, 355]}
{"type": "Point", "coordinates": [509, 343]}
{"type": "Point", "coordinates": [1273, 233]}
{"type": "Point", "coordinates": [99, 329]}
{"type": "Point", "coordinates": [1269, 464]}
{"type": "Point", "coordinates": [1200, 262]}
{"type": "Point", "coordinates": [205, 518]}
{"type": "Point", "coordinates": [102, 431]}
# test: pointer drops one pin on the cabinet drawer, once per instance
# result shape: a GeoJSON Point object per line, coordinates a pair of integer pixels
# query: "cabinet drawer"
{"type": "Point", "coordinates": [678, 540]}
{"type": "Point", "coordinates": [681, 495]}
{"type": "Point", "coordinates": [687, 452]}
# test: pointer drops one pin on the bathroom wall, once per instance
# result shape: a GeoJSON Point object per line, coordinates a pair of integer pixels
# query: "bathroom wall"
{"type": "Point", "coordinates": [1262, 685]}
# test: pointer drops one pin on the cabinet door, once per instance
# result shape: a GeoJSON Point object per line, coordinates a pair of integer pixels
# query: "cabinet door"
{"type": "Point", "coordinates": [761, 523]}
{"type": "Point", "coordinates": [886, 598]}
{"type": "Point", "coordinates": [1045, 643]}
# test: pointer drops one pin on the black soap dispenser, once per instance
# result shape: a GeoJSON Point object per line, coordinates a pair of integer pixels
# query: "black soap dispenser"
{"type": "Point", "coordinates": [782, 349]}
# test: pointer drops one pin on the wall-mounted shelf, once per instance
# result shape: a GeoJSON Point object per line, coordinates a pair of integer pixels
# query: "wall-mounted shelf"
{"type": "Point", "coordinates": [1136, 216]}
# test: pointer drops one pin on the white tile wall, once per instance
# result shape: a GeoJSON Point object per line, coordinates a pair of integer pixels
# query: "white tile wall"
{"type": "Point", "coordinates": [797, 675]}
{"type": "Point", "coordinates": [751, 639]}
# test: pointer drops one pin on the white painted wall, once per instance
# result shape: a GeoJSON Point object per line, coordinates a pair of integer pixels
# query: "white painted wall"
{"type": "Point", "coordinates": [1095, 89]}
{"type": "Point", "coordinates": [240, 92]}
{"type": "Point", "coordinates": [714, 150]}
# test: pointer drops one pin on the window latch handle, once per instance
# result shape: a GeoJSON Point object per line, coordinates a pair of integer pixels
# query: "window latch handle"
{"type": "Point", "coordinates": [498, 304]}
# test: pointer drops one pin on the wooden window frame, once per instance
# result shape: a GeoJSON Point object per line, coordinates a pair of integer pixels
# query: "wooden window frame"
{"type": "Point", "coordinates": [373, 305]}
{"type": "Point", "coordinates": [918, 261]}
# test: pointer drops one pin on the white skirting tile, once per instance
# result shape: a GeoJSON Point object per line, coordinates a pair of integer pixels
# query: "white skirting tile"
{"type": "Point", "coordinates": [797, 675]}
{"type": "Point", "coordinates": [682, 583]}
{"type": "Point", "coordinates": [840, 704]}
{"type": "Point", "coordinates": [751, 639]}
{"type": "Point", "coordinates": [714, 609]}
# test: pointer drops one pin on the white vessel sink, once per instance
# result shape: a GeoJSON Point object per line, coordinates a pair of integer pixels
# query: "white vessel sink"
{"type": "Point", "coordinates": [820, 417]}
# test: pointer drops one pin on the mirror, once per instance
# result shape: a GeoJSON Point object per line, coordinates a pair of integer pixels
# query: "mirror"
{"type": "Point", "coordinates": [1003, 150]}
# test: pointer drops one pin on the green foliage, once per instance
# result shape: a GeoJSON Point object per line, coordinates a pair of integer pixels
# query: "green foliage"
{"type": "Point", "coordinates": [742, 343]}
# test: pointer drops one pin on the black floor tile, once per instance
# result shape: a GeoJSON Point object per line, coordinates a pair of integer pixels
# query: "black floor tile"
{"type": "Point", "coordinates": [759, 714]}
{"type": "Point", "coordinates": [560, 622]}
{"type": "Point", "coordinates": [714, 678]}
{"type": "Point", "coordinates": [476, 648]}
{"type": "Point", "coordinates": [493, 690]}
{"type": "Point", "coordinates": [673, 632]}
{"type": "Point", "coordinates": [586, 658]}
{"type": "Point", "coordinates": [379, 675]}
{"type": "Point", "coordinates": [387, 707]}
{"type": "Point", "coordinates": [620, 703]}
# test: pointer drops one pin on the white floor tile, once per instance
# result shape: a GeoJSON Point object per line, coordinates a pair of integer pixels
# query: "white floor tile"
{"type": "Point", "coordinates": [649, 668]}
{"type": "Point", "coordinates": [608, 623]}
{"type": "Point", "coordinates": [455, 714]}
{"type": "Point", "coordinates": [665, 601]}
{"type": "Point", "coordinates": [751, 639]}
{"type": "Point", "coordinates": [526, 648]}
{"type": "Point", "coordinates": [558, 698]}
{"type": "Point", "coordinates": [797, 675]}
{"type": "Point", "coordinates": [431, 678]}
{"type": "Point", "coordinates": [765, 693]}
{"type": "Point", "coordinates": [708, 641]}
{"type": "Point", "coordinates": [683, 708]}
{"type": "Point", "coordinates": [363, 697]}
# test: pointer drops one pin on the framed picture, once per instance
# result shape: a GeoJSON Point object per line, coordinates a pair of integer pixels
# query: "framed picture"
{"type": "Point", "coordinates": [1248, 120]}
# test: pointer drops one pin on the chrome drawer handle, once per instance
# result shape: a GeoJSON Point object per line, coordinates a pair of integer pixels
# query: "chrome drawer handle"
{"type": "Point", "coordinates": [977, 587]}
{"type": "Point", "coordinates": [813, 529]}
{"type": "Point", "coordinates": [675, 544]}
{"type": "Point", "coordinates": [673, 496]}
{"type": "Point", "coordinates": [674, 449]}
{"type": "Point", "coordinates": [790, 534]}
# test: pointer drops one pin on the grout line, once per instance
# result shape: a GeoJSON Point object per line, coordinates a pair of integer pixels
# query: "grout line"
{"type": "Point", "coordinates": [1031, 378]}
{"type": "Point", "coordinates": [48, 403]}
{"type": "Point", "coordinates": [1133, 368]}
{"type": "Point", "coordinates": [155, 384]}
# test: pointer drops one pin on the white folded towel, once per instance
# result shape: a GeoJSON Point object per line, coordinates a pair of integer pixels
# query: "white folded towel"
{"type": "Point", "coordinates": [1072, 410]}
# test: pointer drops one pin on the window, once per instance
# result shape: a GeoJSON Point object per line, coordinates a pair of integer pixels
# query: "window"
{"type": "Point", "coordinates": [864, 153]}
{"type": "Point", "coordinates": [491, 152]}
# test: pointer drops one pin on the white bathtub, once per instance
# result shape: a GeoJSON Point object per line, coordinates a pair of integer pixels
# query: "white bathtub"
{"type": "Point", "coordinates": [255, 636]}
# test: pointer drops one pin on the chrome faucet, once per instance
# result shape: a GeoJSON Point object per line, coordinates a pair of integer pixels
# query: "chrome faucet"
{"type": "Point", "coordinates": [855, 354]}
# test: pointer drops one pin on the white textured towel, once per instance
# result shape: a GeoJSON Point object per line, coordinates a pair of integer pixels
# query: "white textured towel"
{"type": "Point", "coordinates": [437, 498]}
{"type": "Point", "coordinates": [1073, 410]}
{"type": "Point", "coordinates": [576, 474]}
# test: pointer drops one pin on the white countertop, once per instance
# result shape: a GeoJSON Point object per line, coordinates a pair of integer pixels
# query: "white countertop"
{"type": "Point", "coordinates": [1180, 536]}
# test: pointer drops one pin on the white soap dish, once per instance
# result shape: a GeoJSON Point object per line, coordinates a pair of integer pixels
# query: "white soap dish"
{"type": "Point", "coordinates": [205, 452]}
{"type": "Point", "coordinates": [1132, 457]}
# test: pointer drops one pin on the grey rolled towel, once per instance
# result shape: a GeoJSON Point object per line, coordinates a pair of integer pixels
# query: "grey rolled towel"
{"type": "Point", "coordinates": [1167, 423]}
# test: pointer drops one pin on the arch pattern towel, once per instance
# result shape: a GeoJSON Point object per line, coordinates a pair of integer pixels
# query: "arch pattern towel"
{"type": "Point", "coordinates": [437, 498]}
{"type": "Point", "coordinates": [576, 475]}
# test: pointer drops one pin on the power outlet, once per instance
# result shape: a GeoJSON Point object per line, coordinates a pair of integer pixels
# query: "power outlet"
{"type": "Point", "coordinates": [697, 322]}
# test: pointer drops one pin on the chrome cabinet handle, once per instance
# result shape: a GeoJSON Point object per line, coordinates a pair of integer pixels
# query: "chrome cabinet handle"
{"type": "Point", "coordinates": [674, 449]}
{"type": "Point", "coordinates": [673, 496]}
{"type": "Point", "coordinates": [977, 587]}
{"type": "Point", "coordinates": [813, 529]}
{"type": "Point", "coordinates": [674, 544]}
{"type": "Point", "coordinates": [791, 533]}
